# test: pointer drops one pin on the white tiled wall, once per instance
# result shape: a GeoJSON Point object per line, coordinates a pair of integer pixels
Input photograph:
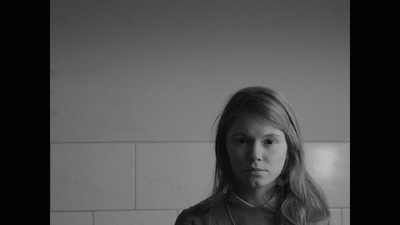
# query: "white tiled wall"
{"type": "Point", "coordinates": [71, 218]}
{"type": "Point", "coordinates": [92, 177]}
{"type": "Point", "coordinates": [173, 175]}
{"type": "Point", "coordinates": [153, 217]}
{"type": "Point", "coordinates": [329, 164]}
{"type": "Point", "coordinates": [149, 183]}
{"type": "Point", "coordinates": [346, 216]}
{"type": "Point", "coordinates": [336, 215]}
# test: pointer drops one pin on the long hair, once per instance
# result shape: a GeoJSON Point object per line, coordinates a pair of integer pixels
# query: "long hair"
{"type": "Point", "coordinates": [299, 199]}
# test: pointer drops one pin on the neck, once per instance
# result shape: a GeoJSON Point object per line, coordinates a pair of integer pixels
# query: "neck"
{"type": "Point", "coordinates": [256, 196]}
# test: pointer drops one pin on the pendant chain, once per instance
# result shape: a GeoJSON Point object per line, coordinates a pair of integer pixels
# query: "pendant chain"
{"type": "Point", "coordinates": [229, 212]}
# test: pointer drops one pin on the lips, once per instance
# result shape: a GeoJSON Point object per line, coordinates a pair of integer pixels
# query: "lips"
{"type": "Point", "coordinates": [255, 169]}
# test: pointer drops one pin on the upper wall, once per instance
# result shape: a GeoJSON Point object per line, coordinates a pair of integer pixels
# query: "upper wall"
{"type": "Point", "coordinates": [161, 70]}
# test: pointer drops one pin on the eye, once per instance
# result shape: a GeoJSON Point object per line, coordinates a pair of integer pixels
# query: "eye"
{"type": "Point", "coordinates": [241, 140]}
{"type": "Point", "coordinates": [270, 141]}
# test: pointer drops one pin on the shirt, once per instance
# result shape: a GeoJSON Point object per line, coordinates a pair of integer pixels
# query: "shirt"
{"type": "Point", "coordinates": [242, 213]}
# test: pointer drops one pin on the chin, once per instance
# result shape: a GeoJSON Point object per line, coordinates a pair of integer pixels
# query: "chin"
{"type": "Point", "coordinates": [256, 181]}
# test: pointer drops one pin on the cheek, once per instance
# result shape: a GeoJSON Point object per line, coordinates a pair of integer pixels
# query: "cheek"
{"type": "Point", "coordinates": [282, 152]}
{"type": "Point", "coordinates": [277, 158]}
{"type": "Point", "coordinates": [280, 160]}
{"type": "Point", "coordinates": [235, 158]}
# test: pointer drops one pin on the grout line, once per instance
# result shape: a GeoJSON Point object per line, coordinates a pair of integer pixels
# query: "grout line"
{"type": "Point", "coordinates": [105, 142]}
{"type": "Point", "coordinates": [135, 174]}
{"type": "Point", "coordinates": [111, 210]}
{"type": "Point", "coordinates": [174, 141]}
{"type": "Point", "coordinates": [341, 216]}
{"type": "Point", "coordinates": [92, 217]}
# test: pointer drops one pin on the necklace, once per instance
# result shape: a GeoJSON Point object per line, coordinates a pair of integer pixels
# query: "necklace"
{"type": "Point", "coordinates": [243, 201]}
{"type": "Point", "coordinates": [229, 212]}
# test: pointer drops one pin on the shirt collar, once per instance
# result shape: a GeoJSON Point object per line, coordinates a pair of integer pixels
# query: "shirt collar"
{"type": "Point", "coordinates": [234, 198]}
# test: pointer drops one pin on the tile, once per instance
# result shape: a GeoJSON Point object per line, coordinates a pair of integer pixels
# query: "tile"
{"type": "Point", "coordinates": [92, 176]}
{"type": "Point", "coordinates": [346, 216]}
{"type": "Point", "coordinates": [336, 216]}
{"type": "Point", "coordinates": [173, 175]}
{"type": "Point", "coordinates": [329, 164]}
{"type": "Point", "coordinates": [152, 217]}
{"type": "Point", "coordinates": [71, 218]}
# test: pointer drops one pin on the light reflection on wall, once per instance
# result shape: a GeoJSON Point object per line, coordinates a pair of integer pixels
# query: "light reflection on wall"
{"type": "Point", "coordinates": [322, 161]}
{"type": "Point", "coordinates": [329, 165]}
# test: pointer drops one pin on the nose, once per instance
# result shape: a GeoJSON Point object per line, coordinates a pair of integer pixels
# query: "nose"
{"type": "Point", "coordinates": [255, 152]}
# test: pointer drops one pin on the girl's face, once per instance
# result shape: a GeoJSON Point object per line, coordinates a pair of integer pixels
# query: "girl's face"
{"type": "Point", "coordinates": [257, 151]}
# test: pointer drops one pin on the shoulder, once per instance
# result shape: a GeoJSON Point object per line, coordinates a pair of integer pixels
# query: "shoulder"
{"type": "Point", "coordinates": [200, 214]}
{"type": "Point", "coordinates": [183, 218]}
{"type": "Point", "coordinates": [329, 221]}
{"type": "Point", "coordinates": [195, 215]}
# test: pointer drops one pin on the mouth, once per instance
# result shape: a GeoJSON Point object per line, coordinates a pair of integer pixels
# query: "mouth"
{"type": "Point", "coordinates": [255, 170]}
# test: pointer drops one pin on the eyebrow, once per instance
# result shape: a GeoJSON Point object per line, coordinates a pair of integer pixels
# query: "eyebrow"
{"type": "Point", "coordinates": [266, 135]}
{"type": "Point", "coordinates": [272, 135]}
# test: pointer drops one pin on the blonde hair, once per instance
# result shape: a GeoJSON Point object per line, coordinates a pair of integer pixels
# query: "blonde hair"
{"type": "Point", "coordinates": [299, 198]}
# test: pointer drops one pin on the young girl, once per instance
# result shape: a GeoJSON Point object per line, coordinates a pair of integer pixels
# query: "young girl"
{"type": "Point", "coordinates": [260, 177]}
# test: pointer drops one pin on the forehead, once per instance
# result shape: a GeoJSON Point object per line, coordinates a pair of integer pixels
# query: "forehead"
{"type": "Point", "coordinates": [254, 126]}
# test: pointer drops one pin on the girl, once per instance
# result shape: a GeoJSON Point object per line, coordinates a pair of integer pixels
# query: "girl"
{"type": "Point", "coordinates": [260, 177]}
